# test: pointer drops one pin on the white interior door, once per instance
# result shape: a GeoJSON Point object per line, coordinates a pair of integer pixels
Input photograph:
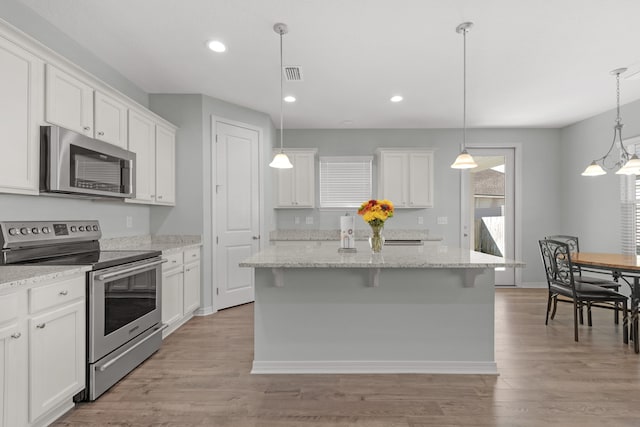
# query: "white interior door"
{"type": "Point", "coordinates": [489, 207]}
{"type": "Point", "coordinates": [237, 211]}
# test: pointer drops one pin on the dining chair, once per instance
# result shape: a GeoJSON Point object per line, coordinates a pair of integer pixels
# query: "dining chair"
{"type": "Point", "coordinates": [560, 273]}
{"type": "Point", "coordinates": [574, 246]}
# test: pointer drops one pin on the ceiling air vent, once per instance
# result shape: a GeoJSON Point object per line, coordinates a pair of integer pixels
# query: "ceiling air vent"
{"type": "Point", "coordinates": [292, 73]}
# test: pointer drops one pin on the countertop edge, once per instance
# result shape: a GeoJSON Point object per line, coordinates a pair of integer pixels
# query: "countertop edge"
{"type": "Point", "coordinates": [29, 275]}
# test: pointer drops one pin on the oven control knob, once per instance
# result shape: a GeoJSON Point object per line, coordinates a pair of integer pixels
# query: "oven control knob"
{"type": "Point", "coordinates": [35, 230]}
{"type": "Point", "coordinates": [81, 228]}
{"type": "Point", "coordinates": [46, 230]}
{"type": "Point", "coordinates": [74, 228]}
{"type": "Point", "coordinates": [13, 231]}
{"type": "Point", "coordinates": [95, 228]}
{"type": "Point", "coordinates": [24, 231]}
{"type": "Point", "coordinates": [88, 228]}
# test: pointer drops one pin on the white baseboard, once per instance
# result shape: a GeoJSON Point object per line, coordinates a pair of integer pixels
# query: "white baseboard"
{"type": "Point", "coordinates": [373, 367]}
{"type": "Point", "coordinates": [205, 311]}
{"type": "Point", "coordinates": [533, 285]}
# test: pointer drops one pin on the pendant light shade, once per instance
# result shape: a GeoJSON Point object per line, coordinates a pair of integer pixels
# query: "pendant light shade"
{"type": "Point", "coordinates": [281, 160]}
{"type": "Point", "coordinates": [620, 158]}
{"type": "Point", "coordinates": [464, 159]}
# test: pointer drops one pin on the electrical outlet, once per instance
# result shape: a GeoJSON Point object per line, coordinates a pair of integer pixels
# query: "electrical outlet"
{"type": "Point", "coordinates": [309, 220]}
{"type": "Point", "coordinates": [443, 220]}
{"type": "Point", "coordinates": [296, 220]}
{"type": "Point", "coordinates": [129, 221]}
{"type": "Point", "coordinates": [421, 220]}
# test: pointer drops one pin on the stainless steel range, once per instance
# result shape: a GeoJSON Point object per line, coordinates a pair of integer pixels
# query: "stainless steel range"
{"type": "Point", "coordinates": [124, 292]}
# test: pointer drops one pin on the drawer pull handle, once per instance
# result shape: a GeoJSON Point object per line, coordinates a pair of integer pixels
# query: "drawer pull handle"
{"type": "Point", "coordinates": [64, 293]}
{"type": "Point", "coordinates": [101, 133]}
{"type": "Point", "coordinates": [41, 326]}
{"type": "Point", "coordinates": [16, 335]}
{"type": "Point", "coordinates": [87, 128]}
{"type": "Point", "coordinates": [193, 255]}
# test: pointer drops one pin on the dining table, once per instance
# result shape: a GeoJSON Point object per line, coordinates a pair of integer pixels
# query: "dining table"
{"type": "Point", "coordinates": [621, 266]}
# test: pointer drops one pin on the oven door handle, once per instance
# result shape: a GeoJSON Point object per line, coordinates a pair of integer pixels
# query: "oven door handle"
{"type": "Point", "coordinates": [126, 271]}
{"type": "Point", "coordinates": [104, 367]}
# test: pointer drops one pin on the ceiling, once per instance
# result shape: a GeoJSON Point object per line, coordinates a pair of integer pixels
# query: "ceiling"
{"type": "Point", "coordinates": [531, 63]}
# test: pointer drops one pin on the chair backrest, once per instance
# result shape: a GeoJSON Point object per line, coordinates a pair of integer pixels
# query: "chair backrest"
{"type": "Point", "coordinates": [556, 257]}
{"type": "Point", "coordinates": [574, 246]}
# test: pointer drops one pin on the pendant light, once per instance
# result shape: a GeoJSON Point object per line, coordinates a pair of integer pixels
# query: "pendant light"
{"type": "Point", "coordinates": [281, 160]}
{"type": "Point", "coordinates": [464, 159]}
{"type": "Point", "coordinates": [628, 164]}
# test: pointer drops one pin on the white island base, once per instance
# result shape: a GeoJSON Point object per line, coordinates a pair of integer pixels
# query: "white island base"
{"type": "Point", "coordinates": [416, 320]}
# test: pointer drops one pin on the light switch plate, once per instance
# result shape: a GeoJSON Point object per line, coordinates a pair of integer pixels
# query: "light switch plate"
{"type": "Point", "coordinates": [129, 221]}
{"type": "Point", "coordinates": [296, 220]}
{"type": "Point", "coordinates": [442, 220]}
{"type": "Point", "coordinates": [309, 220]}
{"type": "Point", "coordinates": [420, 220]}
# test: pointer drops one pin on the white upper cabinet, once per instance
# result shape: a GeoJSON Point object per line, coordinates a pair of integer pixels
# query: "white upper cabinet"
{"type": "Point", "coordinates": [110, 120]}
{"type": "Point", "coordinates": [165, 166]}
{"type": "Point", "coordinates": [296, 188]}
{"type": "Point", "coordinates": [69, 102]}
{"type": "Point", "coordinates": [21, 106]}
{"type": "Point", "coordinates": [155, 148]}
{"type": "Point", "coordinates": [406, 177]}
{"type": "Point", "coordinates": [142, 141]}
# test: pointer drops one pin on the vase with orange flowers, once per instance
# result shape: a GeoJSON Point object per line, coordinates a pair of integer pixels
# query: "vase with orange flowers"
{"type": "Point", "coordinates": [375, 213]}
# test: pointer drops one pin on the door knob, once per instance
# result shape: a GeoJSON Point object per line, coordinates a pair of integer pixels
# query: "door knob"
{"type": "Point", "coordinates": [256, 237]}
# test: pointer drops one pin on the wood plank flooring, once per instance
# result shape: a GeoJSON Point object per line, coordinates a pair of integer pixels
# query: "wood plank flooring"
{"type": "Point", "coordinates": [200, 377]}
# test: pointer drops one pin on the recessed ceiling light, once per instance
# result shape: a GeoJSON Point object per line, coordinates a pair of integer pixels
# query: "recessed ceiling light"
{"type": "Point", "coordinates": [396, 98]}
{"type": "Point", "coordinates": [289, 98]}
{"type": "Point", "coordinates": [217, 46]}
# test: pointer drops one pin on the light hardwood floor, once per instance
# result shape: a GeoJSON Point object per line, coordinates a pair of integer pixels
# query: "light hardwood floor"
{"type": "Point", "coordinates": [200, 377]}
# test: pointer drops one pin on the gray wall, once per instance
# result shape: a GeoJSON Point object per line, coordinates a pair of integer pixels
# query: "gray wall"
{"type": "Point", "coordinates": [193, 213]}
{"type": "Point", "coordinates": [590, 206]}
{"type": "Point", "coordinates": [540, 174]}
{"type": "Point", "coordinates": [111, 214]}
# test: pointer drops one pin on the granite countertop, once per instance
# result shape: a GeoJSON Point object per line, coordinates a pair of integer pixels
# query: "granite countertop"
{"type": "Point", "coordinates": [361, 234]}
{"type": "Point", "coordinates": [163, 243]}
{"type": "Point", "coordinates": [325, 256]}
{"type": "Point", "coordinates": [22, 275]}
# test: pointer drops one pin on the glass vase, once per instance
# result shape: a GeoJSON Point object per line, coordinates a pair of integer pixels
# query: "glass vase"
{"type": "Point", "coordinates": [376, 240]}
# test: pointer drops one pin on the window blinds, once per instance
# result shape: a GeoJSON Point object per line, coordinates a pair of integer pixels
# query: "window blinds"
{"type": "Point", "coordinates": [630, 207]}
{"type": "Point", "coordinates": [345, 182]}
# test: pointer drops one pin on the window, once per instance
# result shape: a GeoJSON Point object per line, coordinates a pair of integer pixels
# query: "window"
{"type": "Point", "coordinates": [630, 206]}
{"type": "Point", "coordinates": [345, 182]}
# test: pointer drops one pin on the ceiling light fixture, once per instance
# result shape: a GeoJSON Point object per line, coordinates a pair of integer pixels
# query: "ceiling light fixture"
{"type": "Point", "coordinates": [217, 46]}
{"type": "Point", "coordinates": [281, 160]}
{"type": "Point", "coordinates": [289, 98]}
{"type": "Point", "coordinates": [396, 98]}
{"type": "Point", "coordinates": [464, 159]}
{"type": "Point", "coordinates": [625, 162]}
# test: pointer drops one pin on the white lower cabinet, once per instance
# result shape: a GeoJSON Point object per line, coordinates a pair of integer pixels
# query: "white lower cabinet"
{"type": "Point", "coordinates": [180, 288]}
{"type": "Point", "coordinates": [13, 360]}
{"type": "Point", "coordinates": [56, 357]}
{"type": "Point", "coordinates": [42, 351]}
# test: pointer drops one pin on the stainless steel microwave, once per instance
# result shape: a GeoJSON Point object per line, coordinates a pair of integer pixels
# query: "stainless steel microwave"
{"type": "Point", "coordinates": [76, 165]}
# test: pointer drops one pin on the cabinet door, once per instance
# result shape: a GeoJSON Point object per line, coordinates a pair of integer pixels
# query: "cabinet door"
{"type": "Point", "coordinates": [393, 178]}
{"type": "Point", "coordinates": [57, 357]}
{"type": "Point", "coordinates": [421, 180]}
{"type": "Point", "coordinates": [304, 182]}
{"type": "Point", "coordinates": [21, 108]}
{"type": "Point", "coordinates": [142, 141]}
{"type": "Point", "coordinates": [191, 287]}
{"type": "Point", "coordinates": [165, 166]}
{"type": "Point", "coordinates": [285, 187]}
{"type": "Point", "coordinates": [110, 120]}
{"type": "Point", "coordinates": [13, 376]}
{"type": "Point", "coordinates": [172, 296]}
{"type": "Point", "coordinates": [69, 102]}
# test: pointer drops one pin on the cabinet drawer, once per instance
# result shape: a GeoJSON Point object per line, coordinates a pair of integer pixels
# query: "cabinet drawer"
{"type": "Point", "coordinates": [8, 307]}
{"type": "Point", "coordinates": [173, 260]}
{"type": "Point", "coordinates": [191, 255]}
{"type": "Point", "coordinates": [55, 294]}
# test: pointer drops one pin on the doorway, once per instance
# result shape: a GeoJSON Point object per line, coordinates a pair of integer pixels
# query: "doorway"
{"type": "Point", "coordinates": [237, 222]}
{"type": "Point", "coordinates": [489, 207]}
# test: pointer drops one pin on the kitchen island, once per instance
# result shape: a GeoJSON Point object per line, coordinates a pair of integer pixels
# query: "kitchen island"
{"type": "Point", "coordinates": [414, 309]}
